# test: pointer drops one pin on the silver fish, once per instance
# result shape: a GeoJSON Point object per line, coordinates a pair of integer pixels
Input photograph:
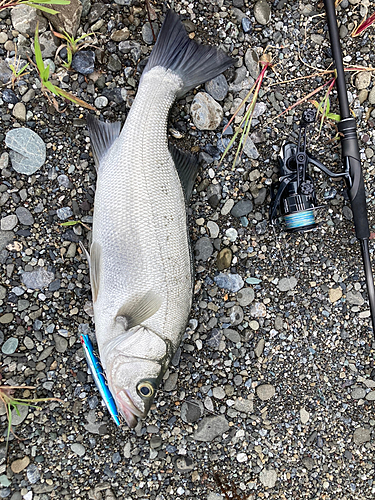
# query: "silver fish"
{"type": "Point", "coordinates": [140, 263]}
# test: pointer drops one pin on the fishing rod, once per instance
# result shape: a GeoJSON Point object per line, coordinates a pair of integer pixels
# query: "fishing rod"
{"type": "Point", "coordinates": [350, 156]}
{"type": "Point", "coordinates": [295, 199]}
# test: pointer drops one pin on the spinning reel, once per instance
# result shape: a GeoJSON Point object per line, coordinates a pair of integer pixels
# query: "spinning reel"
{"type": "Point", "coordinates": [295, 199]}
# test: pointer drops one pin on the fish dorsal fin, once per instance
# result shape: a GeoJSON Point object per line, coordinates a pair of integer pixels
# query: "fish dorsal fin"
{"type": "Point", "coordinates": [102, 136]}
{"type": "Point", "coordinates": [137, 313]}
{"type": "Point", "coordinates": [95, 265]}
{"type": "Point", "coordinates": [187, 166]}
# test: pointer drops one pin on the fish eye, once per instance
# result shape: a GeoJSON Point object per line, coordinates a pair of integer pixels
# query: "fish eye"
{"type": "Point", "coordinates": [145, 389]}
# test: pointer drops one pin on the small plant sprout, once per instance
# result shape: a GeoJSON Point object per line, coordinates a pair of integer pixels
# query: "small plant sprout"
{"type": "Point", "coordinates": [48, 88]}
{"type": "Point", "coordinates": [74, 223]}
{"type": "Point", "coordinates": [245, 124]}
{"type": "Point", "coordinates": [72, 45]}
{"type": "Point", "coordinates": [16, 70]}
{"type": "Point", "coordinates": [37, 4]}
{"type": "Point", "coordinates": [323, 106]}
{"type": "Point", "coordinates": [12, 403]}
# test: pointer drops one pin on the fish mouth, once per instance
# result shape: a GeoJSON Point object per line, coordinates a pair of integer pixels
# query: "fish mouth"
{"type": "Point", "coordinates": [127, 408]}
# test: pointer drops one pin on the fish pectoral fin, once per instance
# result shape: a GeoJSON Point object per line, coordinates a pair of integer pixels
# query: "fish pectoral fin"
{"type": "Point", "coordinates": [85, 252]}
{"type": "Point", "coordinates": [137, 313]}
{"type": "Point", "coordinates": [95, 265]}
{"type": "Point", "coordinates": [102, 136]}
{"type": "Point", "coordinates": [187, 166]}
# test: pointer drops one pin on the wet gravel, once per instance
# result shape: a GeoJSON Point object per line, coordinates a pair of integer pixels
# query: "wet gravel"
{"type": "Point", "coordinates": [272, 390]}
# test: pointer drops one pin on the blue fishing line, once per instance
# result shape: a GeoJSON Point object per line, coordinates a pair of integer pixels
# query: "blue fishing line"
{"type": "Point", "coordinates": [299, 220]}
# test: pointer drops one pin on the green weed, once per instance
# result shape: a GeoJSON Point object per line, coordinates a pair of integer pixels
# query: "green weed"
{"type": "Point", "coordinates": [37, 4]}
{"type": "Point", "coordinates": [48, 88]}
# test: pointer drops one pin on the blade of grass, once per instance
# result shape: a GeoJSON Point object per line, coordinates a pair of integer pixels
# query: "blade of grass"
{"type": "Point", "coordinates": [366, 23]}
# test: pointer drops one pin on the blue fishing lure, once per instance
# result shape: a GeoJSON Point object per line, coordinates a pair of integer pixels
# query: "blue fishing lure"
{"type": "Point", "coordinates": [97, 374]}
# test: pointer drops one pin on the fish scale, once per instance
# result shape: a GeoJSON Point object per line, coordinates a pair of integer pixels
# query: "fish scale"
{"type": "Point", "coordinates": [140, 264]}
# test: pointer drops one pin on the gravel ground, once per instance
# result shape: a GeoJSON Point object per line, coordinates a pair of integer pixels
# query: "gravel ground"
{"type": "Point", "coordinates": [271, 393]}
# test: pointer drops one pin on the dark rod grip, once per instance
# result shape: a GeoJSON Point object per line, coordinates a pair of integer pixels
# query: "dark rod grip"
{"type": "Point", "coordinates": [351, 159]}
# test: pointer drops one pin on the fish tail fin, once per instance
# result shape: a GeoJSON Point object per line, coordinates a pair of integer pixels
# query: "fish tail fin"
{"type": "Point", "coordinates": [192, 62]}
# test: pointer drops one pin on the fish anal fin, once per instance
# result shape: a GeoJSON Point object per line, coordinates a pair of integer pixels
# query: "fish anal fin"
{"type": "Point", "coordinates": [95, 265]}
{"type": "Point", "coordinates": [102, 136]}
{"type": "Point", "coordinates": [137, 313]}
{"type": "Point", "coordinates": [187, 166]}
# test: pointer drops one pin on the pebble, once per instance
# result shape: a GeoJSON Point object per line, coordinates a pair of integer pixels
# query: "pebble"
{"type": "Point", "coordinates": [78, 449]}
{"type": "Point", "coordinates": [84, 62]}
{"type": "Point", "coordinates": [258, 310]}
{"type": "Point", "coordinates": [24, 216]}
{"type": "Point", "coordinates": [206, 112]}
{"type": "Point", "coordinates": [245, 296]}
{"type": "Point", "coordinates": [9, 96]}
{"type": "Point", "coordinates": [231, 234]}
{"type": "Point", "coordinates": [361, 435]}
{"type": "Point", "coordinates": [64, 213]}
{"type": "Point", "coordinates": [38, 279]}
{"type": "Point", "coordinates": [268, 477]}
{"type": "Point", "coordinates": [218, 393]}
{"type": "Point", "coordinates": [363, 80]}
{"type": "Point", "coordinates": [242, 208]}
{"type": "Point", "coordinates": [17, 419]}
{"type": "Point", "coordinates": [232, 335]}
{"type": "Point", "coordinates": [252, 62]}
{"type": "Point", "coordinates": [304, 415]}
{"type": "Point", "coordinates": [28, 151]}
{"type": "Point", "coordinates": [334, 294]}
{"type": "Point", "coordinates": [259, 348]}
{"type": "Point", "coordinates": [231, 282]}
{"type": "Point", "coordinates": [354, 298]}
{"type": "Point", "coordinates": [246, 25]}
{"type": "Point", "coordinates": [8, 222]}
{"type": "Point", "coordinates": [265, 391]}
{"type": "Point", "coordinates": [203, 249]}
{"type": "Point", "coordinates": [171, 382]}
{"type": "Point", "coordinates": [236, 315]}
{"type": "Point", "coordinates": [213, 229]}
{"type": "Point", "coordinates": [210, 428]}
{"type": "Point", "coordinates": [33, 474]}
{"type": "Point", "coordinates": [114, 63]}
{"type": "Point", "coordinates": [358, 393]}
{"type": "Point", "coordinates": [25, 18]}
{"type": "Point", "coordinates": [250, 149]}
{"type": "Point", "coordinates": [371, 97]}
{"type": "Point", "coordinates": [241, 457]}
{"type": "Point", "coordinates": [61, 344]}
{"type": "Point", "coordinates": [120, 35]}
{"type": "Point", "coordinates": [286, 284]}
{"type": "Point", "coordinates": [227, 207]}
{"type": "Point", "coordinates": [217, 88]}
{"type": "Point", "coordinates": [147, 32]}
{"type": "Point", "coordinates": [101, 102]}
{"type": "Point", "coordinates": [6, 318]}
{"type": "Point", "coordinates": [244, 405]}
{"type": "Point", "coordinates": [191, 411]}
{"type": "Point", "coordinates": [10, 345]}
{"type": "Point", "coordinates": [19, 111]}
{"type": "Point", "coordinates": [19, 465]}
{"type": "Point", "coordinates": [47, 45]}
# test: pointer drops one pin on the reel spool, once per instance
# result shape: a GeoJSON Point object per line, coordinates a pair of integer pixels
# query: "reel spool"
{"type": "Point", "coordinates": [295, 200]}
